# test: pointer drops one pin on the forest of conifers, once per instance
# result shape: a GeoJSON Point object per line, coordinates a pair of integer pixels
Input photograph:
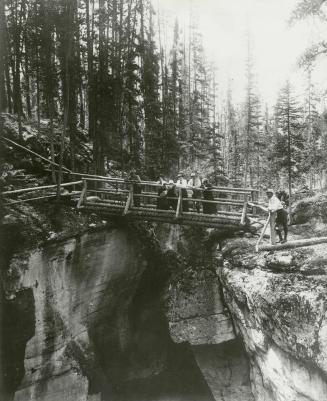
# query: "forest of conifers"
{"type": "Point", "coordinates": [102, 72]}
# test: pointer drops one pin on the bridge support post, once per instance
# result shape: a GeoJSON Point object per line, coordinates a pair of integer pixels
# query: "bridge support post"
{"type": "Point", "coordinates": [262, 234]}
{"type": "Point", "coordinates": [243, 217]}
{"type": "Point", "coordinates": [83, 197]}
{"type": "Point", "coordinates": [129, 201]}
{"type": "Point", "coordinates": [179, 204]}
{"type": "Point", "coordinates": [273, 216]}
{"type": "Point", "coordinates": [254, 199]}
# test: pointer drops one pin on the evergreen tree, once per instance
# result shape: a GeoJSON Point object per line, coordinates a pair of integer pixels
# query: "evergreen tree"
{"type": "Point", "coordinates": [251, 124]}
{"type": "Point", "coordinates": [290, 142]}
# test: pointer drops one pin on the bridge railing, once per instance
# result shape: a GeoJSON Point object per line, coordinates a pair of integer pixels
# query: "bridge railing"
{"type": "Point", "coordinates": [143, 195]}
{"type": "Point", "coordinates": [39, 193]}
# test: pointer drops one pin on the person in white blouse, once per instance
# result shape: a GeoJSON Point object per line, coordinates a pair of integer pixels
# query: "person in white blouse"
{"type": "Point", "coordinates": [182, 183]}
{"type": "Point", "coordinates": [278, 214]}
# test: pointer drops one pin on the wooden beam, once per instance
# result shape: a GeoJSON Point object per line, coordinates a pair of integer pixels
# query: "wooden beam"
{"type": "Point", "coordinates": [273, 216]}
{"type": "Point", "coordinates": [33, 189]}
{"type": "Point", "coordinates": [243, 217]}
{"type": "Point", "coordinates": [129, 201]}
{"type": "Point", "coordinates": [257, 205]}
{"type": "Point", "coordinates": [83, 196]}
{"type": "Point", "coordinates": [294, 244]}
{"type": "Point", "coordinates": [35, 154]}
{"type": "Point", "coordinates": [38, 198]}
{"type": "Point", "coordinates": [179, 204]}
{"type": "Point", "coordinates": [262, 234]}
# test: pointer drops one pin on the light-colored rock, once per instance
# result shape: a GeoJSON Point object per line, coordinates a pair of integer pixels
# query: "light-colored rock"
{"type": "Point", "coordinates": [282, 320]}
{"type": "Point", "coordinates": [196, 312]}
{"type": "Point", "coordinates": [76, 285]}
{"type": "Point", "coordinates": [226, 370]}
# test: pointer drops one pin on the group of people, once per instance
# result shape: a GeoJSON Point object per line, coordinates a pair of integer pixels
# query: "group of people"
{"type": "Point", "coordinates": [199, 191]}
{"type": "Point", "coordinates": [195, 188]}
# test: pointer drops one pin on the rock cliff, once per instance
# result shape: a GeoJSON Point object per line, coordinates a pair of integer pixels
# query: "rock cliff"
{"type": "Point", "coordinates": [278, 303]}
{"type": "Point", "coordinates": [270, 306]}
{"type": "Point", "coordinates": [158, 312]}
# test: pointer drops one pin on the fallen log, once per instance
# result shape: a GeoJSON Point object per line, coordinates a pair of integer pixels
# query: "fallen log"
{"type": "Point", "coordinates": [294, 244]}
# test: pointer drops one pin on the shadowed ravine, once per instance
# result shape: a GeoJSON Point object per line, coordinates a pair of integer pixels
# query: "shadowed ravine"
{"type": "Point", "coordinates": [130, 314]}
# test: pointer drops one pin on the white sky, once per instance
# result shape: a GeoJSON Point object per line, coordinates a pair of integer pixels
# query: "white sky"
{"type": "Point", "coordinates": [276, 46]}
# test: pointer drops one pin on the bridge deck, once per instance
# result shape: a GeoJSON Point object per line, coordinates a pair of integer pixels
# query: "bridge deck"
{"type": "Point", "coordinates": [116, 197]}
{"type": "Point", "coordinates": [230, 207]}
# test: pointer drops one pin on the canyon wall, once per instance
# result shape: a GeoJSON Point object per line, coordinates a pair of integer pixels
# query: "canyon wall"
{"type": "Point", "coordinates": [159, 312]}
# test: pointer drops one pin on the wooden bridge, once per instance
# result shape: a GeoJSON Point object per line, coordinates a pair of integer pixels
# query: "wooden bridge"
{"type": "Point", "coordinates": [235, 208]}
{"type": "Point", "coordinates": [109, 196]}
{"type": "Point", "coordinates": [117, 197]}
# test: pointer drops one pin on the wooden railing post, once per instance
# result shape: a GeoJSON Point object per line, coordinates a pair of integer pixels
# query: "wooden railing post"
{"type": "Point", "coordinates": [243, 218]}
{"type": "Point", "coordinates": [129, 202]}
{"type": "Point", "coordinates": [179, 208]}
{"type": "Point", "coordinates": [253, 200]}
{"type": "Point", "coordinates": [272, 228]}
{"type": "Point", "coordinates": [262, 234]}
{"type": "Point", "coordinates": [83, 197]}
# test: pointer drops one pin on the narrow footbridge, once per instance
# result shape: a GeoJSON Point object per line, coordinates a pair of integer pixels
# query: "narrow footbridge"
{"type": "Point", "coordinates": [228, 208]}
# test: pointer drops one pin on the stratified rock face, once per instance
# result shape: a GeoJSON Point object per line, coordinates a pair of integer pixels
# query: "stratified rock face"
{"type": "Point", "coordinates": [226, 370]}
{"type": "Point", "coordinates": [198, 315]}
{"type": "Point", "coordinates": [196, 312]}
{"type": "Point", "coordinates": [279, 302]}
{"type": "Point", "coordinates": [77, 285]}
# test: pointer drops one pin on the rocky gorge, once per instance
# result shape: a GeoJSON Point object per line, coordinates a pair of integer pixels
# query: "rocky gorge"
{"type": "Point", "coordinates": [98, 310]}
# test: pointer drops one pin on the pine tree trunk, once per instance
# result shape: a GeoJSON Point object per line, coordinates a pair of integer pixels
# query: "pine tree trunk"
{"type": "Point", "coordinates": [3, 100]}
{"type": "Point", "coordinates": [27, 80]}
{"type": "Point", "coordinates": [289, 160]}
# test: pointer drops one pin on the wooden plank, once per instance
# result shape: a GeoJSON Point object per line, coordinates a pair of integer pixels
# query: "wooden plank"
{"type": "Point", "coordinates": [262, 234]}
{"type": "Point", "coordinates": [33, 189]}
{"type": "Point", "coordinates": [35, 154]}
{"type": "Point", "coordinates": [244, 213]}
{"type": "Point", "coordinates": [129, 201]}
{"type": "Point", "coordinates": [258, 206]}
{"type": "Point", "coordinates": [294, 244]}
{"type": "Point", "coordinates": [82, 197]}
{"type": "Point", "coordinates": [179, 204]}
{"type": "Point", "coordinates": [104, 191]}
{"type": "Point", "coordinates": [152, 212]}
{"type": "Point", "coordinates": [171, 219]}
{"type": "Point", "coordinates": [273, 216]}
{"type": "Point", "coordinates": [236, 215]}
{"type": "Point", "coordinates": [236, 189]}
{"type": "Point", "coordinates": [39, 198]}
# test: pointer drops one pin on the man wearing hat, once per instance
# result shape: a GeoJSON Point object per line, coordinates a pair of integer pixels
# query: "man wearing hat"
{"type": "Point", "coordinates": [278, 214]}
{"type": "Point", "coordinates": [181, 181]}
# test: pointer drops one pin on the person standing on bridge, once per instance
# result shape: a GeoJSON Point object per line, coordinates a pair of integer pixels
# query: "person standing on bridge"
{"type": "Point", "coordinates": [208, 207]}
{"type": "Point", "coordinates": [162, 201]}
{"type": "Point", "coordinates": [195, 183]}
{"type": "Point", "coordinates": [171, 195]}
{"type": "Point", "coordinates": [135, 180]}
{"type": "Point", "coordinates": [182, 184]}
{"type": "Point", "coordinates": [278, 214]}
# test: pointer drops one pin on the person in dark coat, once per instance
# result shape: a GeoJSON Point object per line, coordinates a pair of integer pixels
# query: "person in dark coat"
{"type": "Point", "coordinates": [171, 193]}
{"type": "Point", "coordinates": [137, 188]}
{"type": "Point", "coordinates": [208, 208]}
{"type": "Point", "coordinates": [282, 223]}
{"type": "Point", "coordinates": [195, 183]}
{"type": "Point", "coordinates": [162, 201]}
